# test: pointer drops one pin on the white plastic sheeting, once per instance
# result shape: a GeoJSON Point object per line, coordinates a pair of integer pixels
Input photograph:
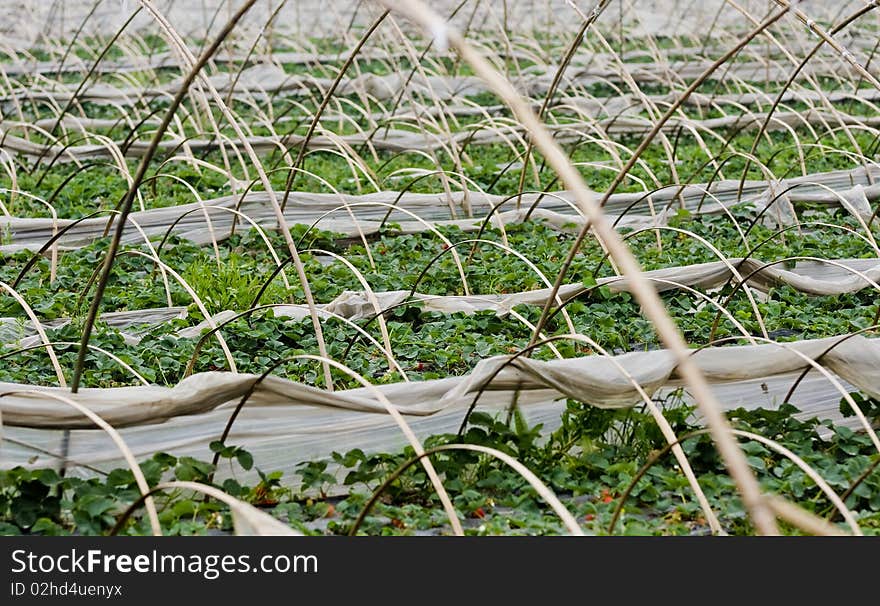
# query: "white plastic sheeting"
{"type": "Point", "coordinates": [354, 215]}
{"type": "Point", "coordinates": [284, 423]}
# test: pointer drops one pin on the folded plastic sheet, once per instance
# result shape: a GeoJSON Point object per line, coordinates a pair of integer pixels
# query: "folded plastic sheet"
{"type": "Point", "coordinates": [356, 215]}
{"type": "Point", "coordinates": [284, 423]}
{"type": "Point", "coordinates": [602, 381]}
{"type": "Point", "coordinates": [831, 277]}
{"type": "Point", "coordinates": [397, 140]}
{"type": "Point", "coordinates": [263, 80]}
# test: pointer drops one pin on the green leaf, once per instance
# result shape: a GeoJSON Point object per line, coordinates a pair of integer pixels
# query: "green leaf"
{"type": "Point", "coordinates": [245, 459]}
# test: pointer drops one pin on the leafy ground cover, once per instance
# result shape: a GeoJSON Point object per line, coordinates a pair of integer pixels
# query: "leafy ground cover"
{"type": "Point", "coordinates": [598, 462]}
{"type": "Point", "coordinates": [611, 469]}
{"type": "Point", "coordinates": [261, 339]}
{"type": "Point", "coordinates": [590, 461]}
